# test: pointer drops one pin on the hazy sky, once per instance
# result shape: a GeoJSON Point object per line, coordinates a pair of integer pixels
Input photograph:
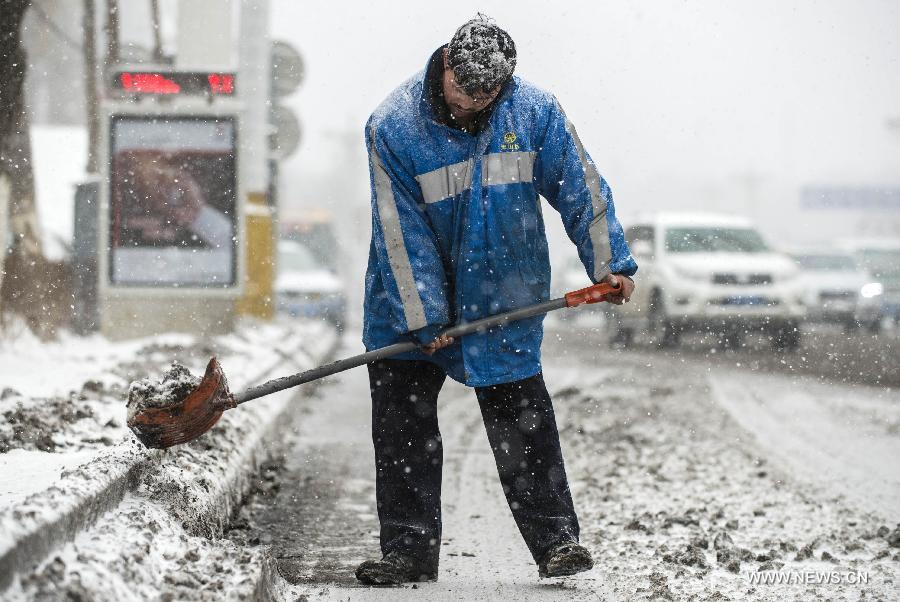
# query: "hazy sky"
{"type": "Point", "coordinates": [696, 104]}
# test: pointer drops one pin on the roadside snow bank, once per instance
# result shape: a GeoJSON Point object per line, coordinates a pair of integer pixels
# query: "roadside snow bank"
{"type": "Point", "coordinates": [68, 394]}
{"type": "Point", "coordinates": [198, 485]}
{"type": "Point", "coordinates": [141, 552]}
{"type": "Point", "coordinates": [43, 470]}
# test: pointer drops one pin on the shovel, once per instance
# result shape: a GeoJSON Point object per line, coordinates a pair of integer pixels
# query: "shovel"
{"type": "Point", "coordinates": [187, 419]}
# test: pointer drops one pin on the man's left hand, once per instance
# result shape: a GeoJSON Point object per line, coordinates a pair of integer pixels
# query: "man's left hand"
{"type": "Point", "coordinates": [623, 294]}
{"type": "Point", "coordinates": [438, 343]}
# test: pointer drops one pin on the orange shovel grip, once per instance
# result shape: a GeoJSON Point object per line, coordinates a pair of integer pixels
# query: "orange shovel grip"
{"type": "Point", "coordinates": [591, 294]}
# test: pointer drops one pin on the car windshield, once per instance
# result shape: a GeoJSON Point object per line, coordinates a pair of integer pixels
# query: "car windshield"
{"type": "Point", "coordinates": [296, 258]}
{"type": "Point", "coordinates": [826, 262]}
{"type": "Point", "coordinates": [882, 263]}
{"type": "Point", "coordinates": [714, 240]}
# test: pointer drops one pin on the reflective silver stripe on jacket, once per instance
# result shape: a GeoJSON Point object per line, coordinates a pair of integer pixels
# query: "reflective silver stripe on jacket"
{"type": "Point", "coordinates": [599, 230]}
{"type": "Point", "coordinates": [398, 256]}
{"type": "Point", "coordinates": [446, 182]}
{"type": "Point", "coordinates": [507, 168]}
{"type": "Point", "coordinates": [496, 168]}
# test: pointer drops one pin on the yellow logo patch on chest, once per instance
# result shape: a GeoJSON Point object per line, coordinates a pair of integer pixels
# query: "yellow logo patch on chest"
{"type": "Point", "coordinates": [509, 142]}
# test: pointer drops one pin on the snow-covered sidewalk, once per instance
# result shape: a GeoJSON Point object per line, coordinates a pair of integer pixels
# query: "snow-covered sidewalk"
{"type": "Point", "coordinates": [676, 498]}
{"type": "Point", "coordinates": [67, 457]}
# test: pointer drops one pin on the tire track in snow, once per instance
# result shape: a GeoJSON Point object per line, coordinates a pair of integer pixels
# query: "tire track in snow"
{"type": "Point", "coordinates": [841, 438]}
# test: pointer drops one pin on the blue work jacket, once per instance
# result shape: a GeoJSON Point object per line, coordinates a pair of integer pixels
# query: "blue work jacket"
{"type": "Point", "coordinates": [458, 228]}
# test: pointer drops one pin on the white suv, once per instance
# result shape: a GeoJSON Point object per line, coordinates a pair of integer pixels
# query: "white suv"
{"type": "Point", "coordinates": [709, 273]}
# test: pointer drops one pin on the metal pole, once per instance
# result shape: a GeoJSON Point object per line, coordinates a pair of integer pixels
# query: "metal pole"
{"type": "Point", "coordinates": [253, 88]}
{"type": "Point", "coordinates": [258, 237]}
{"type": "Point", "coordinates": [112, 33]}
{"type": "Point", "coordinates": [157, 35]}
{"type": "Point", "coordinates": [89, 23]}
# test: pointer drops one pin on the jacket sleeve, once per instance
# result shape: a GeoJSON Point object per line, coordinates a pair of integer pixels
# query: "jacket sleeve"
{"type": "Point", "coordinates": [405, 245]}
{"type": "Point", "coordinates": [567, 177]}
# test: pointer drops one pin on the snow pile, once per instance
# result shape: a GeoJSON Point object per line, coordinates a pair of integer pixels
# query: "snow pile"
{"type": "Point", "coordinates": [77, 405]}
{"type": "Point", "coordinates": [43, 470]}
{"type": "Point", "coordinates": [159, 542]}
{"type": "Point", "coordinates": [84, 418]}
{"type": "Point", "coordinates": [33, 427]}
{"type": "Point", "coordinates": [176, 384]}
{"type": "Point", "coordinates": [140, 552]}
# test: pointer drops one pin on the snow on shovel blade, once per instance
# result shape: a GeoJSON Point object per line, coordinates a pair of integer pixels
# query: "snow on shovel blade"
{"type": "Point", "coordinates": [184, 419]}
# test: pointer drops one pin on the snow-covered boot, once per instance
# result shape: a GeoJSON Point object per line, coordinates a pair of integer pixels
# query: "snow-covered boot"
{"type": "Point", "coordinates": [566, 558]}
{"type": "Point", "coordinates": [395, 568]}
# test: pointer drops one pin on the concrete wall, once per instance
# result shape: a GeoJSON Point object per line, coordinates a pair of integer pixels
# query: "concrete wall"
{"type": "Point", "coordinates": [127, 317]}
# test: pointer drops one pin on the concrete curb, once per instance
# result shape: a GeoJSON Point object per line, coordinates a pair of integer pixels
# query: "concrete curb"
{"type": "Point", "coordinates": [31, 531]}
{"type": "Point", "coordinates": [269, 588]}
{"type": "Point", "coordinates": [201, 483]}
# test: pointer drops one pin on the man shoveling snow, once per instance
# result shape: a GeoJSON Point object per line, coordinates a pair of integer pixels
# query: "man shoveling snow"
{"type": "Point", "coordinates": [459, 155]}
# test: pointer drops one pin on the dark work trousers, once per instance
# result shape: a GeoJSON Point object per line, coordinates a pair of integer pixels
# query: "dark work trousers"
{"type": "Point", "coordinates": [521, 429]}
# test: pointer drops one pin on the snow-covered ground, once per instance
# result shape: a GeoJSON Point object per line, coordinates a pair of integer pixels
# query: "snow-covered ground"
{"type": "Point", "coordinates": [677, 498]}
{"type": "Point", "coordinates": [42, 468]}
{"type": "Point", "coordinates": [174, 500]}
{"type": "Point", "coordinates": [693, 479]}
{"type": "Point", "coordinates": [842, 439]}
{"type": "Point", "coordinates": [142, 552]}
{"type": "Point", "coordinates": [63, 401]}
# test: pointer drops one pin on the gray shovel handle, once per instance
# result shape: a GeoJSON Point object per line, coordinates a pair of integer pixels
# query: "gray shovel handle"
{"type": "Point", "coordinates": [286, 382]}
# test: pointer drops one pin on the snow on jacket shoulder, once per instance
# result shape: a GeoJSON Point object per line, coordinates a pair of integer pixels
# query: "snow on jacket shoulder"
{"type": "Point", "coordinates": [458, 230]}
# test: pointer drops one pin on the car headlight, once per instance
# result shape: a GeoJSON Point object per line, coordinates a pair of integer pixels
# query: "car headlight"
{"type": "Point", "coordinates": [872, 289]}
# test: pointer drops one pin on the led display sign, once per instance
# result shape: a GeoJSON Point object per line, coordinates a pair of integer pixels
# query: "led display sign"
{"type": "Point", "coordinates": [174, 82]}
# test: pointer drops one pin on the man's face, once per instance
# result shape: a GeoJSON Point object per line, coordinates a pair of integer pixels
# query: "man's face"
{"type": "Point", "coordinates": [462, 106]}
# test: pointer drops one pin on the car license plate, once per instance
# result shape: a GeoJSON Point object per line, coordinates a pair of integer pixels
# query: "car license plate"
{"type": "Point", "coordinates": [746, 301]}
{"type": "Point", "coordinates": [838, 305]}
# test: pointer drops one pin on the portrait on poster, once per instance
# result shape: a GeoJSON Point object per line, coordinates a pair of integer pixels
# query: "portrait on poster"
{"type": "Point", "coordinates": [172, 201]}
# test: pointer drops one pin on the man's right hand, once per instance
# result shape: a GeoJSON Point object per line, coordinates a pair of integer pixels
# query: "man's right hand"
{"type": "Point", "coordinates": [438, 343]}
{"type": "Point", "coordinates": [625, 286]}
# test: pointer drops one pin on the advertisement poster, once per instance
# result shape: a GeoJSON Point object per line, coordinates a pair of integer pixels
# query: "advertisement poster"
{"type": "Point", "coordinates": [172, 201]}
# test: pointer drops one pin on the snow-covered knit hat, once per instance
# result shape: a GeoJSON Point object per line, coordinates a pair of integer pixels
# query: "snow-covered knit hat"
{"type": "Point", "coordinates": [482, 55]}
